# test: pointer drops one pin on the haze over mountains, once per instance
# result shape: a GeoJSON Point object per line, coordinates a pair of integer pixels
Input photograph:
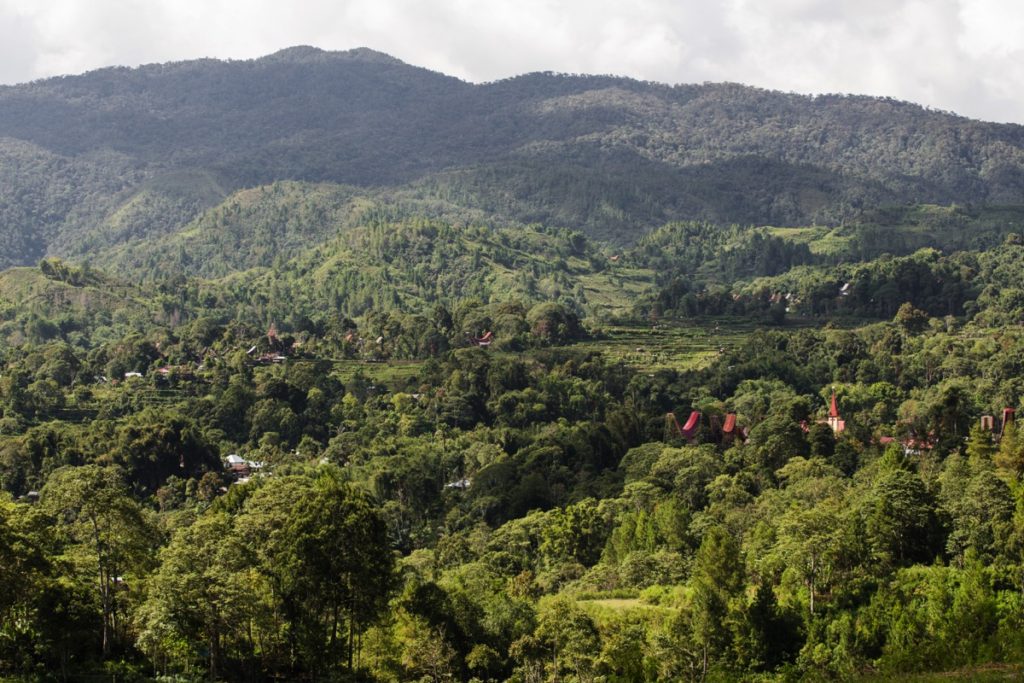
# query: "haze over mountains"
{"type": "Point", "coordinates": [116, 165]}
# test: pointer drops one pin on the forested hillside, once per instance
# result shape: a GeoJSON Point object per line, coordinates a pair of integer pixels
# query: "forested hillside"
{"type": "Point", "coordinates": [324, 367]}
{"type": "Point", "coordinates": [423, 450]}
{"type": "Point", "coordinates": [129, 155]}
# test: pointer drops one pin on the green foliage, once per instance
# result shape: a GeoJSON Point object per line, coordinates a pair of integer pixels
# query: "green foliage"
{"type": "Point", "coordinates": [288, 582]}
{"type": "Point", "coordinates": [448, 420]}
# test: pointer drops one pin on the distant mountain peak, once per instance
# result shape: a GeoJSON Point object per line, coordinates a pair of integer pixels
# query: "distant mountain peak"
{"type": "Point", "coordinates": [297, 52]}
{"type": "Point", "coordinates": [309, 53]}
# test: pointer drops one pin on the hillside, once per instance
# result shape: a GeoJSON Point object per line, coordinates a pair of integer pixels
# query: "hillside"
{"type": "Point", "coordinates": [416, 412]}
{"type": "Point", "coordinates": [411, 414]}
{"type": "Point", "coordinates": [122, 154]}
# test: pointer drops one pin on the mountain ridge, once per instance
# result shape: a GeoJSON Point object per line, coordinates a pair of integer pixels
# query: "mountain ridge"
{"type": "Point", "coordinates": [612, 156]}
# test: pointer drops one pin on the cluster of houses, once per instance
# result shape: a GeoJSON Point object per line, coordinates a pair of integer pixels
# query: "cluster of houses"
{"type": "Point", "coordinates": [277, 350]}
{"type": "Point", "coordinates": [724, 431]}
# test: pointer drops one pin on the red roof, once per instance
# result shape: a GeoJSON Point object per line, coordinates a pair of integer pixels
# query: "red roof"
{"type": "Point", "coordinates": [1007, 418]}
{"type": "Point", "coordinates": [691, 424]}
{"type": "Point", "coordinates": [833, 409]}
{"type": "Point", "coordinates": [730, 423]}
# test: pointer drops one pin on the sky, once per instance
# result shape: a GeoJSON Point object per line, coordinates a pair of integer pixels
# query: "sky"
{"type": "Point", "coordinates": [965, 56]}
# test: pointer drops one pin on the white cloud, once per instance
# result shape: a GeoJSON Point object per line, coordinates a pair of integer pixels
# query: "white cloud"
{"type": "Point", "coordinates": [16, 47]}
{"type": "Point", "coordinates": [961, 55]}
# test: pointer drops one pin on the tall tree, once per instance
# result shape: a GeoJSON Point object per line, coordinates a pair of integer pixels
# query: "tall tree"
{"type": "Point", "coordinates": [104, 533]}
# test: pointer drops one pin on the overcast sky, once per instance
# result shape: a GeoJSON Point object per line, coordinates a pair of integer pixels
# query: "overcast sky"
{"type": "Point", "coordinates": [965, 56]}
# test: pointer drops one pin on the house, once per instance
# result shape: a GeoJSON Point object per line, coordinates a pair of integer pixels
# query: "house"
{"type": "Point", "coordinates": [237, 465]}
{"type": "Point", "coordinates": [687, 432]}
{"type": "Point", "coordinates": [988, 422]}
{"type": "Point", "coordinates": [729, 430]}
{"type": "Point", "coordinates": [911, 444]}
{"type": "Point", "coordinates": [837, 423]}
{"type": "Point", "coordinates": [235, 459]}
{"type": "Point", "coordinates": [240, 469]}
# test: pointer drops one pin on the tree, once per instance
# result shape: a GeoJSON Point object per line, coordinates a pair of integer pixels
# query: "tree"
{"type": "Point", "coordinates": [776, 440]}
{"type": "Point", "coordinates": [979, 506]}
{"type": "Point", "coordinates": [24, 573]}
{"type": "Point", "coordinates": [552, 323]}
{"type": "Point", "coordinates": [426, 652]}
{"type": "Point", "coordinates": [912, 320]}
{"type": "Point", "coordinates": [717, 580]}
{"type": "Point", "coordinates": [765, 635]}
{"type": "Point", "coordinates": [569, 640]}
{"type": "Point", "coordinates": [324, 551]}
{"type": "Point", "coordinates": [201, 597]}
{"type": "Point", "coordinates": [152, 446]}
{"type": "Point", "coordinates": [808, 529]}
{"type": "Point", "coordinates": [104, 533]}
{"type": "Point", "coordinates": [576, 533]}
{"type": "Point", "coordinates": [1009, 458]}
{"type": "Point", "coordinates": [900, 518]}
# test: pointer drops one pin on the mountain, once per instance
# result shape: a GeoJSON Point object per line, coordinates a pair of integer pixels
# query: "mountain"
{"type": "Point", "coordinates": [120, 156]}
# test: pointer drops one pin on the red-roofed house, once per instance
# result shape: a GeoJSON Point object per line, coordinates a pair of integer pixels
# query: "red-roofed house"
{"type": "Point", "coordinates": [834, 420]}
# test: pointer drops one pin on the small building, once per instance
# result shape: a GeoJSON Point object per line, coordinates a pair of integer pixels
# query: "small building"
{"type": "Point", "coordinates": [988, 422]}
{"type": "Point", "coordinates": [729, 430]}
{"type": "Point", "coordinates": [687, 432]}
{"type": "Point", "coordinates": [837, 423]}
{"type": "Point", "coordinates": [237, 465]}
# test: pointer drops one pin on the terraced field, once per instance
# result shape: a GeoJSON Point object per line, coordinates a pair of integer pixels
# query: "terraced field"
{"type": "Point", "coordinates": [820, 240]}
{"type": "Point", "coordinates": [669, 345]}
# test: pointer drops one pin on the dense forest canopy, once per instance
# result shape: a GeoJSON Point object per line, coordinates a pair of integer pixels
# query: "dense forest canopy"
{"type": "Point", "coordinates": [324, 367]}
{"type": "Point", "coordinates": [460, 441]}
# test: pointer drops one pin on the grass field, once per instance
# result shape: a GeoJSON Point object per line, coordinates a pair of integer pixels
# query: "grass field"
{"type": "Point", "coordinates": [605, 611]}
{"type": "Point", "coordinates": [669, 345]}
{"type": "Point", "coordinates": [820, 240]}
{"type": "Point", "coordinates": [392, 374]}
{"type": "Point", "coordinates": [616, 290]}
